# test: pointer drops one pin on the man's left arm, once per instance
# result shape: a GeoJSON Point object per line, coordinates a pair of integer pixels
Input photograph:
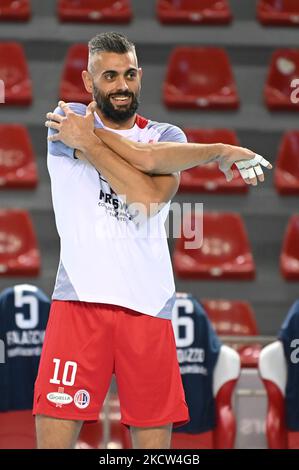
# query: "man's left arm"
{"type": "Point", "coordinates": [168, 157]}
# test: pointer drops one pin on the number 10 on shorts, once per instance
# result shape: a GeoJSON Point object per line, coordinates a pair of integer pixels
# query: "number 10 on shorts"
{"type": "Point", "coordinates": [68, 375]}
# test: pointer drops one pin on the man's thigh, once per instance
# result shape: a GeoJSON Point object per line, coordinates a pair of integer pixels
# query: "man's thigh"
{"type": "Point", "coordinates": [151, 438]}
{"type": "Point", "coordinates": [149, 383]}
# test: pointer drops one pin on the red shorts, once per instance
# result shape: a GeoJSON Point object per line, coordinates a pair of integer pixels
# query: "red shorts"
{"type": "Point", "coordinates": [86, 343]}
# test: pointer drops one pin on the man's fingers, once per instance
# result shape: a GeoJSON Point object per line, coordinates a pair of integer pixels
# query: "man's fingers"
{"type": "Point", "coordinates": [251, 176]}
{"type": "Point", "coordinates": [54, 137]}
{"type": "Point", "coordinates": [244, 173]}
{"type": "Point", "coordinates": [259, 172]}
{"type": "Point", "coordinates": [257, 160]}
{"type": "Point", "coordinates": [65, 107]}
{"type": "Point", "coordinates": [55, 117]}
{"type": "Point", "coordinates": [262, 161]}
{"type": "Point", "coordinates": [249, 169]}
{"type": "Point", "coordinates": [53, 125]}
{"type": "Point", "coordinates": [229, 175]}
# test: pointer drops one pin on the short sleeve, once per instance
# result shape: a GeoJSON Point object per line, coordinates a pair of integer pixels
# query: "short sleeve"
{"type": "Point", "coordinates": [58, 148]}
{"type": "Point", "coordinates": [173, 134]}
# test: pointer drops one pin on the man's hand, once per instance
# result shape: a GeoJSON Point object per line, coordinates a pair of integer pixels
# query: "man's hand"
{"type": "Point", "coordinates": [74, 130]}
{"type": "Point", "coordinates": [248, 163]}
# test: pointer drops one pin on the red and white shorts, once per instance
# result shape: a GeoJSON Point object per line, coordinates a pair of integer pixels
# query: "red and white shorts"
{"type": "Point", "coordinates": [86, 343]}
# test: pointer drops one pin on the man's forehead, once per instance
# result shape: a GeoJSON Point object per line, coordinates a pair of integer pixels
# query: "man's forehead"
{"type": "Point", "coordinates": [113, 61]}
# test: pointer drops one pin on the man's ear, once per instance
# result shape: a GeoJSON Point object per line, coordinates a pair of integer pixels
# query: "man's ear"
{"type": "Point", "coordinates": [87, 80]}
{"type": "Point", "coordinates": [140, 72]}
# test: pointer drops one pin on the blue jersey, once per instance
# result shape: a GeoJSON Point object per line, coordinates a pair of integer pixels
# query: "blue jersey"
{"type": "Point", "coordinates": [289, 335]}
{"type": "Point", "coordinates": [24, 311]}
{"type": "Point", "coordinates": [197, 349]}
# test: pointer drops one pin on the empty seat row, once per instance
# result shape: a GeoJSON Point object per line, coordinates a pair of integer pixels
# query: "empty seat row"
{"type": "Point", "coordinates": [196, 78]}
{"type": "Point", "coordinates": [216, 246]}
{"type": "Point", "coordinates": [18, 163]}
{"type": "Point", "coordinates": [212, 246]}
{"type": "Point", "coordinates": [199, 78]}
{"type": "Point", "coordinates": [269, 12]}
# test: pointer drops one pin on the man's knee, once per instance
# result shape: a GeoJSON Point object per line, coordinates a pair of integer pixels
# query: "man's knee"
{"type": "Point", "coordinates": [53, 433]}
{"type": "Point", "coordinates": [151, 438]}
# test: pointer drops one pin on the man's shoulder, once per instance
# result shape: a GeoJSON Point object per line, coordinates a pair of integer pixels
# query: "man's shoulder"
{"type": "Point", "coordinates": [168, 132]}
{"type": "Point", "coordinates": [78, 108]}
{"type": "Point", "coordinates": [58, 148]}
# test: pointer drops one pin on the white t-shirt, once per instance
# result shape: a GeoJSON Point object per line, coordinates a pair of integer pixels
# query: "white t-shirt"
{"type": "Point", "coordinates": [106, 256]}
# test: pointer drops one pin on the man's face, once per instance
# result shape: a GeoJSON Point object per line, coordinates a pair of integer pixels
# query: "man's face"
{"type": "Point", "coordinates": [115, 81]}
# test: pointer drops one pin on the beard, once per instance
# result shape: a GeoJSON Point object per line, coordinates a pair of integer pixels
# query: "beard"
{"type": "Point", "coordinates": [123, 112]}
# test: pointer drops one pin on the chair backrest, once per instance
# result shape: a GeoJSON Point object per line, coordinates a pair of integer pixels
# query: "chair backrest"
{"type": "Point", "coordinates": [226, 374]}
{"type": "Point", "coordinates": [289, 255]}
{"type": "Point", "coordinates": [237, 318]}
{"type": "Point", "coordinates": [273, 372]}
{"type": "Point", "coordinates": [225, 251]}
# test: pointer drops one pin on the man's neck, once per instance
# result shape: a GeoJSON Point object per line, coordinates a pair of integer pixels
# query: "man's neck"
{"type": "Point", "coordinates": [116, 125]}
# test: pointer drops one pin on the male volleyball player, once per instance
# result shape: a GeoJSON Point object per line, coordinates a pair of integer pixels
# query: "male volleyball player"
{"type": "Point", "coordinates": [112, 302]}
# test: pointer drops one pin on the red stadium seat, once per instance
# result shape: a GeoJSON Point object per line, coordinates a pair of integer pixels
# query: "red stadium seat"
{"type": "Point", "coordinates": [17, 430]}
{"type": "Point", "coordinates": [225, 376]}
{"type": "Point", "coordinates": [289, 258]}
{"type": "Point", "coordinates": [17, 160]}
{"type": "Point", "coordinates": [192, 11]}
{"type": "Point", "coordinates": [14, 73]}
{"type": "Point", "coordinates": [200, 78]}
{"type": "Point", "coordinates": [19, 254]}
{"type": "Point", "coordinates": [208, 178]}
{"type": "Point", "coordinates": [95, 11]}
{"type": "Point", "coordinates": [280, 92]}
{"type": "Point", "coordinates": [273, 372]}
{"type": "Point", "coordinates": [224, 253]}
{"type": "Point", "coordinates": [286, 173]}
{"type": "Point", "coordinates": [15, 10]}
{"type": "Point", "coordinates": [281, 12]}
{"type": "Point", "coordinates": [72, 86]}
{"type": "Point", "coordinates": [235, 318]}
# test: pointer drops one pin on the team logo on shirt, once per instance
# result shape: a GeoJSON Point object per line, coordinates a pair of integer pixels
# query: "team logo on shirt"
{"type": "Point", "coordinates": [82, 399]}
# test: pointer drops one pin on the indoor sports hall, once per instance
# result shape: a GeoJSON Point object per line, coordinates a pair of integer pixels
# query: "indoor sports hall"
{"type": "Point", "coordinates": [222, 71]}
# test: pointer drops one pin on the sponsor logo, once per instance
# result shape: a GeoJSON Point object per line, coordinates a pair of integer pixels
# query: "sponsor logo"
{"type": "Point", "coordinates": [82, 399]}
{"type": "Point", "coordinates": [60, 398]}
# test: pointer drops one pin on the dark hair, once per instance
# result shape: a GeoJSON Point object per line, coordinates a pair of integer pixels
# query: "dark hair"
{"type": "Point", "coordinates": [110, 42]}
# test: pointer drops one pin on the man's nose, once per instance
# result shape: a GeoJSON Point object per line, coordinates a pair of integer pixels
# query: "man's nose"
{"type": "Point", "coordinates": [122, 84]}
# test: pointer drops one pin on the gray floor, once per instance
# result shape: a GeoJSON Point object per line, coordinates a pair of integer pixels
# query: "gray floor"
{"type": "Point", "coordinates": [250, 47]}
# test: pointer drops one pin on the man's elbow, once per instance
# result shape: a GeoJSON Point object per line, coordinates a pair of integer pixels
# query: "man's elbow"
{"type": "Point", "coordinates": [146, 208]}
{"type": "Point", "coordinates": [146, 162]}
